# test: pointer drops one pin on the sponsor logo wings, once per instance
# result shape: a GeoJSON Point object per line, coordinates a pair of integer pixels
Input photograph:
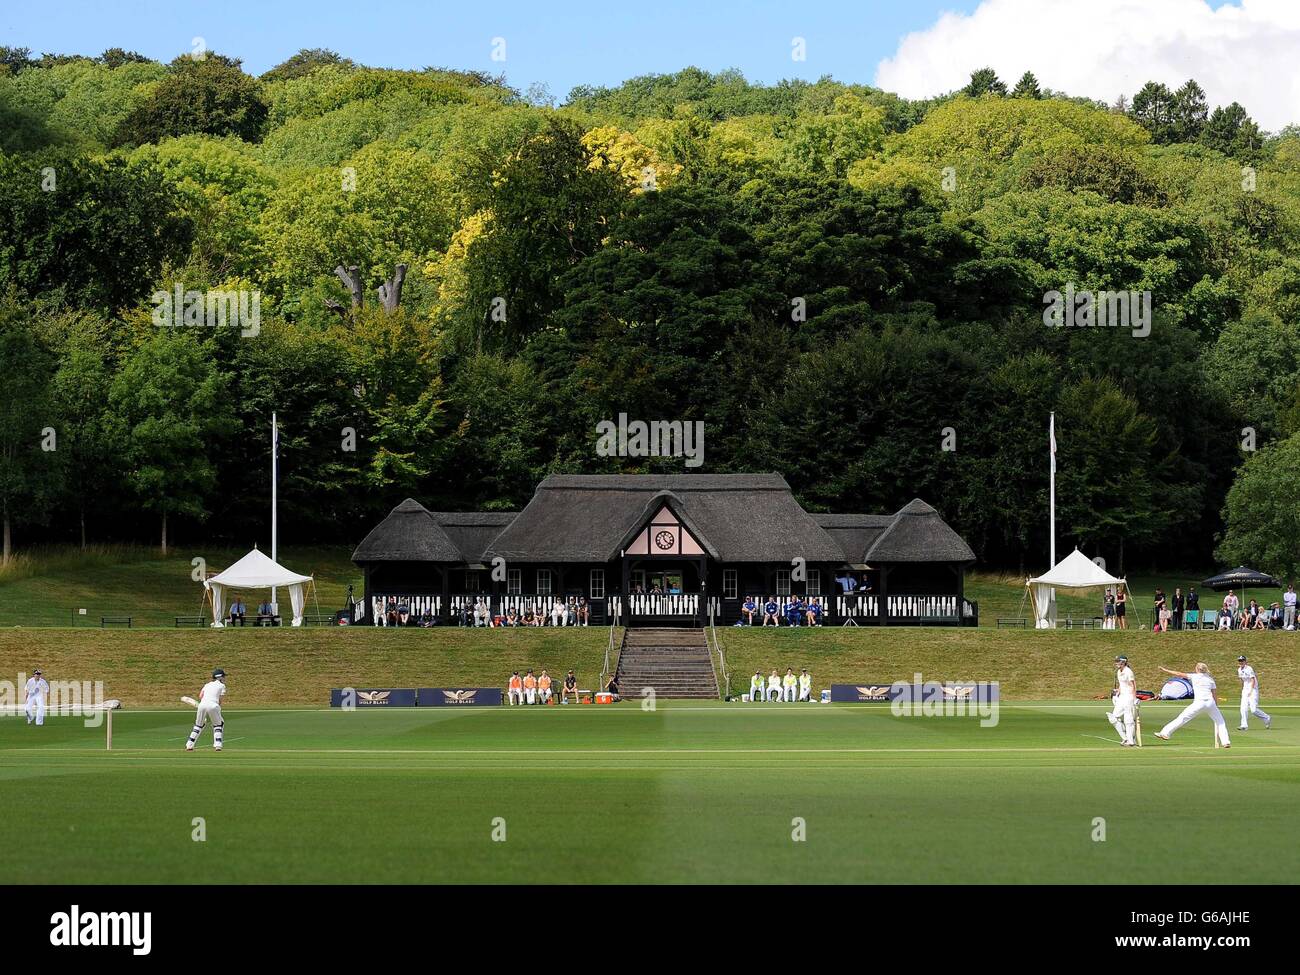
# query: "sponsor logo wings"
{"type": "Point", "coordinates": [873, 693]}
{"type": "Point", "coordinates": [459, 697]}
{"type": "Point", "coordinates": [373, 697]}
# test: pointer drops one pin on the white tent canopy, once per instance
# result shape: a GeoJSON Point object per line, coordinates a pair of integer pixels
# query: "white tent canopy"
{"type": "Point", "coordinates": [1075, 571]}
{"type": "Point", "coordinates": [255, 571]}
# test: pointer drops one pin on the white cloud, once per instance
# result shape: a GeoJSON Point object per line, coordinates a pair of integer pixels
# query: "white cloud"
{"type": "Point", "coordinates": [1248, 51]}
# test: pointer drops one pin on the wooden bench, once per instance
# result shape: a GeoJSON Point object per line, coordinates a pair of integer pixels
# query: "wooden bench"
{"type": "Point", "coordinates": [265, 620]}
{"type": "Point", "coordinates": [189, 621]}
{"type": "Point", "coordinates": [114, 621]}
{"type": "Point", "coordinates": [1005, 622]}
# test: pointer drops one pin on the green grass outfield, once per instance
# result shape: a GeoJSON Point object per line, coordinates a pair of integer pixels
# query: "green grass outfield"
{"type": "Point", "coordinates": [690, 792]}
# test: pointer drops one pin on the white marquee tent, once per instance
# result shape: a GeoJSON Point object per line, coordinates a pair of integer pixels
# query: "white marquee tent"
{"type": "Point", "coordinates": [256, 571]}
{"type": "Point", "coordinates": [1076, 571]}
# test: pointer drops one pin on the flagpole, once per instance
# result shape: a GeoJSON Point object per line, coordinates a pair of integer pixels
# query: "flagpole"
{"type": "Point", "coordinates": [1051, 507]}
{"type": "Point", "coordinates": [275, 555]}
{"type": "Point", "coordinates": [1051, 533]}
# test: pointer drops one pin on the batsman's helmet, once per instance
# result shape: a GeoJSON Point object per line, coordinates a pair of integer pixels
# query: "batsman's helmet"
{"type": "Point", "coordinates": [1121, 659]}
{"type": "Point", "coordinates": [218, 674]}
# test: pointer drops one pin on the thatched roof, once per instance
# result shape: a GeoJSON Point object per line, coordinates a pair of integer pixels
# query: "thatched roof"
{"type": "Point", "coordinates": [854, 534]}
{"type": "Point", "coordinates": [472, 531]}
{"type": "Point", "coordinates": [734, 517]}
{"type": "Point", "coordinates": [411, 533]}
{"type": "Point", "coordinates": [592, 518]}
{"type": "Point", "coordinates": [917, 533]}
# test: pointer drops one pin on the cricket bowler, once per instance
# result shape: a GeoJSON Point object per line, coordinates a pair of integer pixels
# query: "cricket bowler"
{"type": "Point", "coordinates": [1123, 718]}
{"type": "Point", "coordinates": [1249, 694]}
{"type": "Point", "coordinates": [209, 709]}
{"type": "Point", "coordinates": [37, 690]}
{"type": "Point", "coordinates": [1203, 699]}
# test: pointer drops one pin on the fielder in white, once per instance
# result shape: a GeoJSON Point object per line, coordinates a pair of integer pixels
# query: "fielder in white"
{"type": "Point", "coordinates": [210, 710]}
{"type": "Point", "coordinates": [1123, 718]}
{"type": "Point", "coordinates": [37, 690]}
{"type": "Point", "coordinates": [1203, 699]}
{"type": "Point", "coordinates": [1249, 695]}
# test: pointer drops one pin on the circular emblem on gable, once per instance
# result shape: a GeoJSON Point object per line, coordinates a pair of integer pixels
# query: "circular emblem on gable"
{"type": "Point", "coordinates": [664, 539]}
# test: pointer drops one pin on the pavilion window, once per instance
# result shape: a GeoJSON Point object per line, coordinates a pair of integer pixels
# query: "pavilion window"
{"type": "Point", "coordinates": [814, 582]}
{"type": "Point", "coordinates": [471, 581]}
{"type": "Point", "coordinates": [638, 579]}
{"type": "Point", "coordinates": [543, 582]}
{"type": "Point", "coordinates": [783, 582]}
{"type": "Point", "coordinates": [597, 583]}
{"type": "Point", "coordinates": [730, 583]}
{"type": "Point", "coordinates": [514, 581]}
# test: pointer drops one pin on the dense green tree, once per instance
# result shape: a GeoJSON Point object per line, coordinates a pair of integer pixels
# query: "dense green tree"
{"type": "Point", "coordinates": [207, 95]}
{"type": "Point", "coordinates": [1262, 512]}
{"type": "Point", "coordinates": [1188, 112]}
{"type": "Point", "coordinates": [169, 411]}
{"type": "Point", "coordinates": [95, 232]}
{"type": "Point", "coordinates": [30, 463]}
{"type": "Point", "coordinates": [79, 396]}
{"type": "Point", "coordinates": [305, 62]}
{"type": "Point", "coordinates": [1234, 133]}
{"type": "Point", "coordinates": [984, 81]}
{"type": "Point", "coordinates": [1027, 87]}
{"type": "Point", "coordinates": [1153, 109]}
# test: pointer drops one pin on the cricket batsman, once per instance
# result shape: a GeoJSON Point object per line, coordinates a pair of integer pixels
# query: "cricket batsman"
{"type": "Point", "coordinates": [1249, 694]}
{"type": "Point", "coordinates": [1203, 699]}
{"type": "Point", "coordinates": [1123, 718]}
{"type": "Point", "coordinates": [209, 709]}
{"type": "Point", "coordinates": [37, 690]}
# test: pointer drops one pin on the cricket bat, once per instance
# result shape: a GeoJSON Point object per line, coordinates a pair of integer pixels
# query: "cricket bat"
{"type": "Point", "coordinates": [190, 701]}
{"type": "Point", "coordinates": [1137, 720]}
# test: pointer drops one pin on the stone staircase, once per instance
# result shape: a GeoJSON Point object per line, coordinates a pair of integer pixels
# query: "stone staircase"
{"type": "Point", "coordinates": [675, 662]}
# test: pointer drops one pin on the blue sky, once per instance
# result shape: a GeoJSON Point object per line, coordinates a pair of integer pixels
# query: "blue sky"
{"type": "Point", "coordinates": [560, 44]}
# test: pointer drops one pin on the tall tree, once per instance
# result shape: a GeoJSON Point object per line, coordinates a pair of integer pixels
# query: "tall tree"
{"type": "Point", "coordinates": [1027, 87]}
{"type": "Point", "coordinates": [79, 392]}
{"type": "Point", "coordinates": [1188, 112]}
{"type": "Point", "coordinates": [1153, 109]}
{"type": "Point", "coordinates": [984, 81]}
{"type": "Point", "coordinates": [170, 409]}
{"type": "Point", "coordinates": [1234, 133]}
{"type": "Point", "coordinates": [30, 465]}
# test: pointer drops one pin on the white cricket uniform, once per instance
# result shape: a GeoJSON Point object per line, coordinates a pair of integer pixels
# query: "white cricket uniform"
{"type": "Point", "coordinates": [209, 709]}
{"type": "Point", "coordinates": [756, 685]}
{"type": "Point", "coordinates": [210, 703]}
{"type": "Point", "coordinates": [805, 687]}
{"type": "Point", "coordinates": [38, 690]}
{"type": "Point", "coordinates": [1124, 715]}
{"type": "Point", "coordinates": [1250, 696]}
{"type": "Point", "coordinates": [790, 684]}
{"type": "Point", "coordinates": [1203, 687]}
{"type": "Point", "coordinates": [774, 688]}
